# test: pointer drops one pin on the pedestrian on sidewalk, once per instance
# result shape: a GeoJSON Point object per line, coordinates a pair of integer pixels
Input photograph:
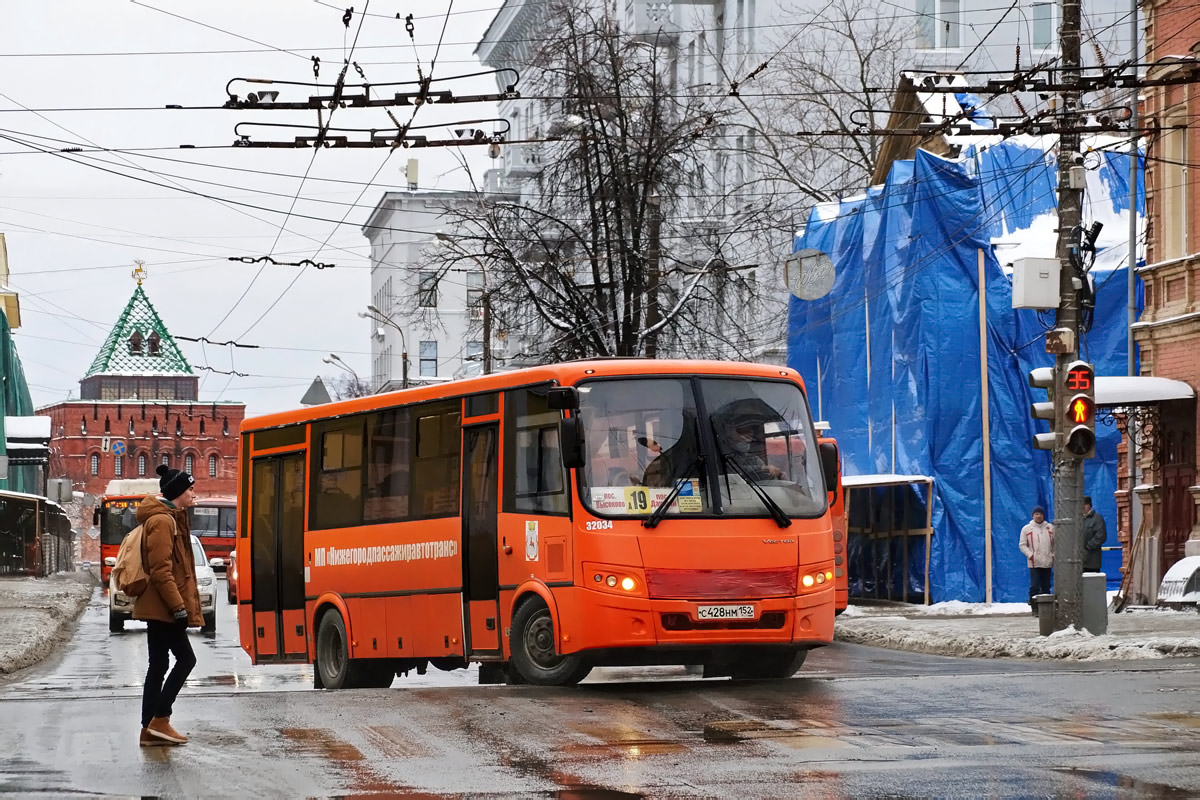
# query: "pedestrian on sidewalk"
{"type": "Point", "coordinates": [1095, 533]}
{"type": "Point", "coordinates": [171, 603]}
{"type": "Point", "coordinates": [1037, 543]}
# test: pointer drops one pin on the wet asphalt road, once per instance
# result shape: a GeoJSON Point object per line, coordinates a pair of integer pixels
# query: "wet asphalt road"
{"type": "Point", "coordinates": [857, 722]}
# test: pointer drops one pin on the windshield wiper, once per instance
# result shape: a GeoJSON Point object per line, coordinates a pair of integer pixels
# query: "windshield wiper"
{"type": "Point", "coordinates": [778, 514]}
{"type": "Point", "coordinates": [657, 515]}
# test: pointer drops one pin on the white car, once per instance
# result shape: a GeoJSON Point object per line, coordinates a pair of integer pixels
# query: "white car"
{"type": "Point", "coordinates": [120, 606]}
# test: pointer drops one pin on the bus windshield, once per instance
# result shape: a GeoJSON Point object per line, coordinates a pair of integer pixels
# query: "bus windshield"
{"type": "Point", "coordinates": [119, 518]}
{"type": "Point", "coordinates": [729, 441]}
{"type": "Point", "coordinates": [213, 521]}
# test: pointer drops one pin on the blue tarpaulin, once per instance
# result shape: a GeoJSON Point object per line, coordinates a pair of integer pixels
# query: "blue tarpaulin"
{"type": "Point", "coordinates": [891, 355]}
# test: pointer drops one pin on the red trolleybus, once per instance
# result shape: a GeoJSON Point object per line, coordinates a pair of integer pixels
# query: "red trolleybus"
{"type": "Point", "coordinates": [214, 521]}
{"type": "Point", "coordinates": [116, 515]}
{"type": "Point", "coordinates": [541, 522]}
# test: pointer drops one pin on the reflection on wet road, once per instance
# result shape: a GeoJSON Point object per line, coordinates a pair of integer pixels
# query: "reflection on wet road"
{"type": "Point", "coordinates": [857, 722]}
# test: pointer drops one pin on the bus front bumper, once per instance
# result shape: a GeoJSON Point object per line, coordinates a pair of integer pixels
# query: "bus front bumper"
{"type": "Point", "coordinates": [590, 619]}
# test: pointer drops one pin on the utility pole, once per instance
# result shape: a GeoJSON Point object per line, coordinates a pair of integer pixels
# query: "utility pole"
{"type": "Point", "coordinates": [486, 300]}
{"type": "Point", "coordinates": [653, 256]}
{"type": "Point", "coordinates": [1068, 472]}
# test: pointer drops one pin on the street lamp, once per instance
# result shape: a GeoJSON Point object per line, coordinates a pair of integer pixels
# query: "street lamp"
{"type": "Point", "coordinates": [375, 314]}
{"type": "Point", "coordinates": [336, 360]}
{"type": "Point", "coordinates": [485, 299]}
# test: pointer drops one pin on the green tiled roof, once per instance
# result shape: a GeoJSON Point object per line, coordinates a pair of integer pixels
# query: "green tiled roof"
{"type": "Point", "coordinates": [117, 356]}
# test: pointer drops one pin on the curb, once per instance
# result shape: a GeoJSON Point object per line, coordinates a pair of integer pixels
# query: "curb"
{"type": "Point", "coordinates": [50, 614]}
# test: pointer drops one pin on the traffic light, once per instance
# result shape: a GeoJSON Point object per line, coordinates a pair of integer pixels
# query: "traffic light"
{"type": "Point", "coordinates": [1079, 391]}
{"type": "Point", "coordinates": [1044, 378]}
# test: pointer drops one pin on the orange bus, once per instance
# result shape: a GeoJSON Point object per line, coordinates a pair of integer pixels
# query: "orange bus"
{"type": "Point", "coordinates": [541, 522]}
{"type": "Point", "coordinates": [116, 515]}
{"type": "Point", "coordinates": [214, 521]}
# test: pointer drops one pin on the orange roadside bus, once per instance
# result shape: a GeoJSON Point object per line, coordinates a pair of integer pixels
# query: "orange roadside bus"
{"type": "Point", "coordinates": [212, 519]}
{"type": "Point", "coordinates": [541, 522]}
{"type": "Point", "coordinates": [116, 515]}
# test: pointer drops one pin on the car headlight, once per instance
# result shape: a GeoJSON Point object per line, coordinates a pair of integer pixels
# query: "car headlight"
{"type": "Point", "coordinates": [204, 582]}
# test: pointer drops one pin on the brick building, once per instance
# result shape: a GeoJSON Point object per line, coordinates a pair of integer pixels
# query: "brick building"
{"type": "Point", "coordinates": [138, 408]}
{"type": "Point", "coordinates": [1168, 333]}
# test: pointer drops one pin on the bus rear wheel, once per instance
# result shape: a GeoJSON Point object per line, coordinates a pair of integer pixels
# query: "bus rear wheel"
{"type": "Point", "coordinates": [335, 667]}
{"type": "Point", "coordinates": [534, 651]}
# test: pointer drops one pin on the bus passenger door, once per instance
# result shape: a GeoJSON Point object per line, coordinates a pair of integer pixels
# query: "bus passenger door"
{"type": "Point", "coordinates": [277, 558]}
{"type": "Point", "coordinates": [480, 557]}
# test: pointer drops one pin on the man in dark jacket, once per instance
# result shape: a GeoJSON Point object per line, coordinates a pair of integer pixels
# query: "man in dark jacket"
{"type": "Point", "coordinates": [1094, 536]}
{"type": "Point", "coordinates": [170, 604]}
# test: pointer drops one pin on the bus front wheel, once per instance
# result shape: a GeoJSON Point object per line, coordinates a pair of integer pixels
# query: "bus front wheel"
{"type": "Point", "coordinates": [534, 651]}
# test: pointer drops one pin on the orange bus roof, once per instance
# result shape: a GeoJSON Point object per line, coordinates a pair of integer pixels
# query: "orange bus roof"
{"type": "Point", "coordinates": [566, 373]}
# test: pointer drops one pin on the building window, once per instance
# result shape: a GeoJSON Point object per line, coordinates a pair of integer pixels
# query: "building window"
{"type": "Point", "coordinates": [131, 431]}
{"type": "Point", "coordinates": [938, 24]}
{"type": "Point", "coordinates": [1173, 239]}
{"type": "Point", "coordinates": [118, 466]}
{"type": "Point", "coordinates": [225, 426]}
{"type": "Point", "coordinates": [201, 426]}
{"type": "Point", "coordinates": [83, 426]}
{"type": "Point", "coordinates": [135, 344]}
{"type": "Point", "coordinates": [95, 463]}
{"type": "Point", "coordinates": [155, 344]}
{"type": "Point", "coordinates": [188, 463]}
{"type": "Point", "coordinates": [212, 466]}
{"type": "Point", "coordinates": [166, 460]}
{"type": "Point", "coordinates": [475, 294]}
{"type": "Point", "coordinates": [427, 290]}
{"type": "Point", "coordinates": [429, 359]}
{"type": "Point", "coordinates": [1042, 35]}
{"type": "Point", "coordinates": [141, 465]}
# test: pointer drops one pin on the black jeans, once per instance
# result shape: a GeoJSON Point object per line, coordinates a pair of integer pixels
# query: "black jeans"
{"type": "Point", "coordinates": [158, 695]}
{"type": "Point", "coordinates": [1039, 581]}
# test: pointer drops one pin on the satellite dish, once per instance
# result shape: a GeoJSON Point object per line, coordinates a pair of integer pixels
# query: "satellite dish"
{"type": "Point", "coordinates": [809, 274]}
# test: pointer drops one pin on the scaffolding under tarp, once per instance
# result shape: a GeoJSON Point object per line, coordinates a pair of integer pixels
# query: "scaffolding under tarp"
{"type": "Point", "coordinates": [883, 514]}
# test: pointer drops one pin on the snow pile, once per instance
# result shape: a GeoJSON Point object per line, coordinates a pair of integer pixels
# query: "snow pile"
{"type": "Point", "coordinates": [1013, 638]}
{"type": "Point", "coordinates": [37, 614]}
{"type": "Point", "coordinates": [959, 608]}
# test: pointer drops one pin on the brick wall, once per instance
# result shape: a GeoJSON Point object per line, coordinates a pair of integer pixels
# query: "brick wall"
{"type": "Point", "coordinates": [183, 429]}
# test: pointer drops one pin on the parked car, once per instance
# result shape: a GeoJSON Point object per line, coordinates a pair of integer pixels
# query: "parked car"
{"type": "Point", "coordinates": [120, 606]}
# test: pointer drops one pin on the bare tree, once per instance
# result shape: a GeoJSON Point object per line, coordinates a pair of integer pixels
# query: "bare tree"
{"type": "Point", "coordinates": [345, 387]}
{"type": "Point", "coordinates": [598, 256]}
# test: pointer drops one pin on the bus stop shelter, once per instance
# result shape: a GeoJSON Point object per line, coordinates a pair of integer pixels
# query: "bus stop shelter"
{"type": "Point", "coordinates": [889, 531]}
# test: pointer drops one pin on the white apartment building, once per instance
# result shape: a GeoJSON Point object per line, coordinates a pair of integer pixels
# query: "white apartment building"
{"type": "Point", "coordinates": [434, 318]}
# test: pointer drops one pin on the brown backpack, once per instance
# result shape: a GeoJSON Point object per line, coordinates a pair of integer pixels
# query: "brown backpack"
{"type": "Point", "coordinates": [129, 573]}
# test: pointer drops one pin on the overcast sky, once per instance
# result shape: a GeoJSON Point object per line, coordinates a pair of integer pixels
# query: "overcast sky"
{"type": "Point", "coordinates": [74, 227]}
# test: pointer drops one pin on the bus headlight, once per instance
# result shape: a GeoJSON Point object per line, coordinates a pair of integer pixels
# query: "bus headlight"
{"type": "Point", "coordinates": [808, 581]}
{"type": "Point", "coordinates": [627, 584]}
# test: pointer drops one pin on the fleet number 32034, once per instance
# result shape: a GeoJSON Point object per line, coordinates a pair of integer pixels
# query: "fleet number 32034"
{"type": "Point", "coordinates": [599, 524]}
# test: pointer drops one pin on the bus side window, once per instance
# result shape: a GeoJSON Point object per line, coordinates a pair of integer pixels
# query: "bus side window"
{"type": "Point", "coordinates": [337, 499]}
{"type": "Point", "coordinates": [388, 453]}
{"type": "Point", "coordinates": [534, 479]}
{"type": "Point", "coordinates": [435, 467]}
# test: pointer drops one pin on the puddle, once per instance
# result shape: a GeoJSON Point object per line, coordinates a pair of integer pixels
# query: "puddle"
{"type": "Point", "coordinates": [1128, 784]}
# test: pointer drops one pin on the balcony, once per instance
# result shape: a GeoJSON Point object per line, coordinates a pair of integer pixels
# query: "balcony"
{"type": "Point", "coordinates": [523, 160]}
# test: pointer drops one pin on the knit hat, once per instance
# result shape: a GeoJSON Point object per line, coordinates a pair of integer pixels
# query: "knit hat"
{"type": "Point", "coordinates": [173, 482]}
{"type": "Point", "coordinates": [1039, 510]}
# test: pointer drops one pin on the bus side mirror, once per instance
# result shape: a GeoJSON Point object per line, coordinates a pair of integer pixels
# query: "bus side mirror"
{"type": "Point", "coordinates": [563, 398]}
{"type": "Point", "coordinates": [570, 435]}
{"type": "Point", "coordinates": [829, 465]}
{"type": "Point", "coordinates": [96, 515]}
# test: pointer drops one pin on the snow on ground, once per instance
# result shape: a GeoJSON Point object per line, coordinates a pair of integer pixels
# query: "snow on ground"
{"type": "Point", "coordinates": [979, 630]}
{"type": "Point", "coordinates": [36, 615]}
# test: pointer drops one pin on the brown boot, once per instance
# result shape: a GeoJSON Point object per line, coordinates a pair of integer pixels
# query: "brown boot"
{"type": "Point", "coordinates": [161, 727]}
{"type": "Point", "coordinates": [148, 739]}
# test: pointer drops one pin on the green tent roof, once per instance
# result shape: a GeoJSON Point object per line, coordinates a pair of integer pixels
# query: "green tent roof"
{"type": "Point", "coordinates": [128, 349]}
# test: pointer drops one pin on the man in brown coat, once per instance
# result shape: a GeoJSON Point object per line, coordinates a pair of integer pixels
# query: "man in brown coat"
{"type": "Point", "coordinates": [171, 604]}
